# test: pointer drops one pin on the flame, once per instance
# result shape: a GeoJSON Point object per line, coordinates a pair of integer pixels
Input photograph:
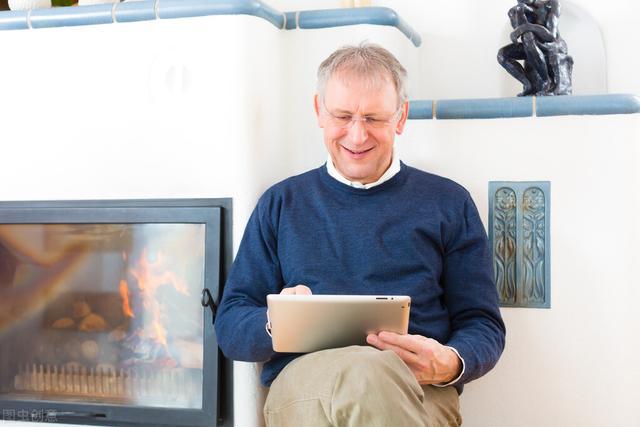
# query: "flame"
{"type": "Point", "coordinates": [161, 333]}
{"type": "Point", "coordinates": [152, 273]}
{"type": "Point", "coordinates": [124, 294]}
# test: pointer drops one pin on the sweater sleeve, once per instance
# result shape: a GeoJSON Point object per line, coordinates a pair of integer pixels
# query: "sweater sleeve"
{"type": "Point", "coordinates": [242, 313]}
{"type": "Point", "coordinates": [477, 329]}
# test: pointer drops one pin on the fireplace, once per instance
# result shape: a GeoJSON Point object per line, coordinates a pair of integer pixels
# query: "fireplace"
{"type": "Point", "coordinates": [107, 311]}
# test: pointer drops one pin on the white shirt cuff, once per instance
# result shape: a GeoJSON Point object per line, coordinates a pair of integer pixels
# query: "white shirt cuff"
{"type": "Point", "coordinates": [455, 380]}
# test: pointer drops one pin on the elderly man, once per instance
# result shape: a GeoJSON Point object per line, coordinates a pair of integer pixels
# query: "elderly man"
{"type": "Point", "coordinates": [366, 223]}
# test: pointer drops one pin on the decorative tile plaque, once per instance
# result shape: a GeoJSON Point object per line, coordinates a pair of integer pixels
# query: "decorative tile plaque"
{"type": "Point", "coordinates": [519, 239]}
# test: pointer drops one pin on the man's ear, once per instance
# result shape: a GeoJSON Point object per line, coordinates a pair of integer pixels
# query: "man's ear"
{"type": "Point", "coordinates": [316, 107]}
{"type": "Point", "coordinates": [403, 118]}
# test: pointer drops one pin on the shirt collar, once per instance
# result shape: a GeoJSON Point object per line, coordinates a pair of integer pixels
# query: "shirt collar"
{"type": "Point", "coordinates": [393, 169]}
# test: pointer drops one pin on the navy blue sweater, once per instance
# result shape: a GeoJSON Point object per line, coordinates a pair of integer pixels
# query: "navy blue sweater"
{"type": "Point", "coordinates": [416, 234]}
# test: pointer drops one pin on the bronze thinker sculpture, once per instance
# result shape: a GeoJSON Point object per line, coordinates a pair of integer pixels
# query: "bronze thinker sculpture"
{"type": "Point", "coordinates": [536, 41]}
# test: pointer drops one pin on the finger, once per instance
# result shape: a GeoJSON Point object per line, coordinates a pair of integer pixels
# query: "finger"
{"type": "Point", "coordinates": [410, 359]}
{"type": "Point", "coordinates": [407, 356]}
{"type": "Point", "coordinates": [413, 343]}
{"type": "Point", "coordinates": [296, 290]}
{"type": "Point", "coordinates": [302, 290]}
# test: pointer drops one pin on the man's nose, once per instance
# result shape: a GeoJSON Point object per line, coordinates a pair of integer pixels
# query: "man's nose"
{"type": "Point", "coordinates": [358, 132]}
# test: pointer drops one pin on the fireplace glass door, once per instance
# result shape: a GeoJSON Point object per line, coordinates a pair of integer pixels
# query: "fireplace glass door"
{"type": "Point", "coordinates": [105, 312]}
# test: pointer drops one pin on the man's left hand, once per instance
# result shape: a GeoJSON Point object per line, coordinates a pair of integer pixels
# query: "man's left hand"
{"type": "Point", "coordinates": [430, 361]}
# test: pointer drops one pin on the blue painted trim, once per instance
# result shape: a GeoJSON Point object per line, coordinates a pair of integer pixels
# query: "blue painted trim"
{"type": "Point", "coordinates": [589, 104]}
{"type": "Point", "coordinates": [167, 9]}
{"type": "Point", "coordinates": [133, 11]}
{"type": "Point", "coordinates": [421, 110]}
{"type": "Point", "coordinates": [523, 107]}
{"type": "Point", "coordinates": [14, 20]}
{"type": "Point", "coordinates": [272, 15]}
{"type": "Point", "coordinates": [189, 8]}
{"type": "Point", "coordinates": [72, 16]}
{"type": "Point", "coordinates": [484, 108]}
{"type": "Point", "coordinates": [291, 23]}
{"type": "Point", "coordinates": [311, 19]}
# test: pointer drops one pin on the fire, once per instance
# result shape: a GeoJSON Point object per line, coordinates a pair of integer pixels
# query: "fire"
{"type": "Point", "coordinates": [161, 333]}
{"type": "Point", "coordinates": [152, 273]}
{"type": "Point", "coordinates": [124, 294]}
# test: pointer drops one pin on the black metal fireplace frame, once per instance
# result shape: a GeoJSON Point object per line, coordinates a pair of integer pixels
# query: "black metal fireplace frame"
{"type": "Point", "coordinates": [216, 214]}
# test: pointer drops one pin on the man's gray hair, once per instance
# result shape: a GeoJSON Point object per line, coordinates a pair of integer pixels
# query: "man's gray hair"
{"type": "Point", "coordinates": [368, 60]}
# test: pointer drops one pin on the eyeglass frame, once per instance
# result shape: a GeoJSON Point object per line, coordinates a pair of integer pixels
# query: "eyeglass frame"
{"type": "Point", "coordinates": [378, 124]}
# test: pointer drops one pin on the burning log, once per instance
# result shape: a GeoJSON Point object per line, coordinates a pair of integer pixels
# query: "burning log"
{"type": "Point", "coordinates": [64, 323]}
{"type": "Point", "coordinates": [93, 323]}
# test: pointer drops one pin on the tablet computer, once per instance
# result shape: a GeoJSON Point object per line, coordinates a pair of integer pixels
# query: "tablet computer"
{"type": "Point", "coordinates": [306, 323]}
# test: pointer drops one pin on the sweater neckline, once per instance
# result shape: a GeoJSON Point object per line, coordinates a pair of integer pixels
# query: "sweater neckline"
{"type": "Point", "coordinates": [394, 181]}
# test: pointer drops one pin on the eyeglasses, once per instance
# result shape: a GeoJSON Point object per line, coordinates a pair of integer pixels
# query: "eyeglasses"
{"type": "Point", "coordinates": [346, 120]}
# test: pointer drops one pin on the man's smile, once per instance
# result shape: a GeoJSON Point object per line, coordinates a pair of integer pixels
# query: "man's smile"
{"type": "Point", "coordinates": [357, 153]}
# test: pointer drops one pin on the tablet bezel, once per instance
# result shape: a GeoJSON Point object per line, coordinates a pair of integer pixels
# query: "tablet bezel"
{"type": "Point", "coordinates": [307, 323]}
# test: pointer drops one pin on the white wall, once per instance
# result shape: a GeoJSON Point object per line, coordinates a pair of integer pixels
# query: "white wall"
{"type": "Point", "coordinates": [221, 106]}
{"type": "Point", "coordinates": [572, 364]}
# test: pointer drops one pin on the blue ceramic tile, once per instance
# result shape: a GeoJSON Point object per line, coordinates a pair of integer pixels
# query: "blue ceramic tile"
{"type": "Point", "coordinates": [520, 241]}
{"type": "Point", "coordinates": [268, 13]}
{"type": "Point", "coordinates": [353, 16]}
{"type": "Point", "coordinates": [13, 20]}
{"type": "Point", "coordinates": [311, 19]}
{"type": "Point", "coordinates": [421, 110]}
{"type": "Point", "coordinates": [587, 104]}
{"type": "Point", "coordinates": [71, 16]}
{"type": "Point", "coordinates": [346, 16]}
{"type": "Point", "coordinates": [133, 11]}
{"type": "Point", "coordinates": [484, 108]}
{"type": "Point", "coordinates": [405, 28]}
{"type": "Point", "coordinates": [291, 23]}
{"type": "Point", "coordinates": [189, 8]}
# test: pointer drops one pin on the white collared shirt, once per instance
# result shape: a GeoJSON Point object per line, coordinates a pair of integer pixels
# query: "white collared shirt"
{"type": "Point", "coordinates": [393, 169]}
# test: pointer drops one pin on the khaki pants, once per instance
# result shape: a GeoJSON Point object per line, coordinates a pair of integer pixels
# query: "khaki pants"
{"type": "Point", "coordinates": [356, 386]}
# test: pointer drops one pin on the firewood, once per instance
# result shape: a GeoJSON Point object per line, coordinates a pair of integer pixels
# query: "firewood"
{"type": "Point", "coordinates": [63, 323]}
{"type": "Point", "coordinates": [92, 323]}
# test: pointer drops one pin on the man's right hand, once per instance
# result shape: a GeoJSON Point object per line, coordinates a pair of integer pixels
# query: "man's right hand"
{"type": "Point", "coordinates": [296, 290]}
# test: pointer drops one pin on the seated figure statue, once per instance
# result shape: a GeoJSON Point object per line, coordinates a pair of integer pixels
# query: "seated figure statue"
{"type": "Point", "coordinates": [536, 40]}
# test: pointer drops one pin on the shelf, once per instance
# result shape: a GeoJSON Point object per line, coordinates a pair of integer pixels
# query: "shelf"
{"type": "Point", "coordinates": [530, 106]}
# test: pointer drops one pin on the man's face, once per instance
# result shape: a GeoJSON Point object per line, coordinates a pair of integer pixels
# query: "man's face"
{"type": "Point", "coordinates": [361, 149]}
